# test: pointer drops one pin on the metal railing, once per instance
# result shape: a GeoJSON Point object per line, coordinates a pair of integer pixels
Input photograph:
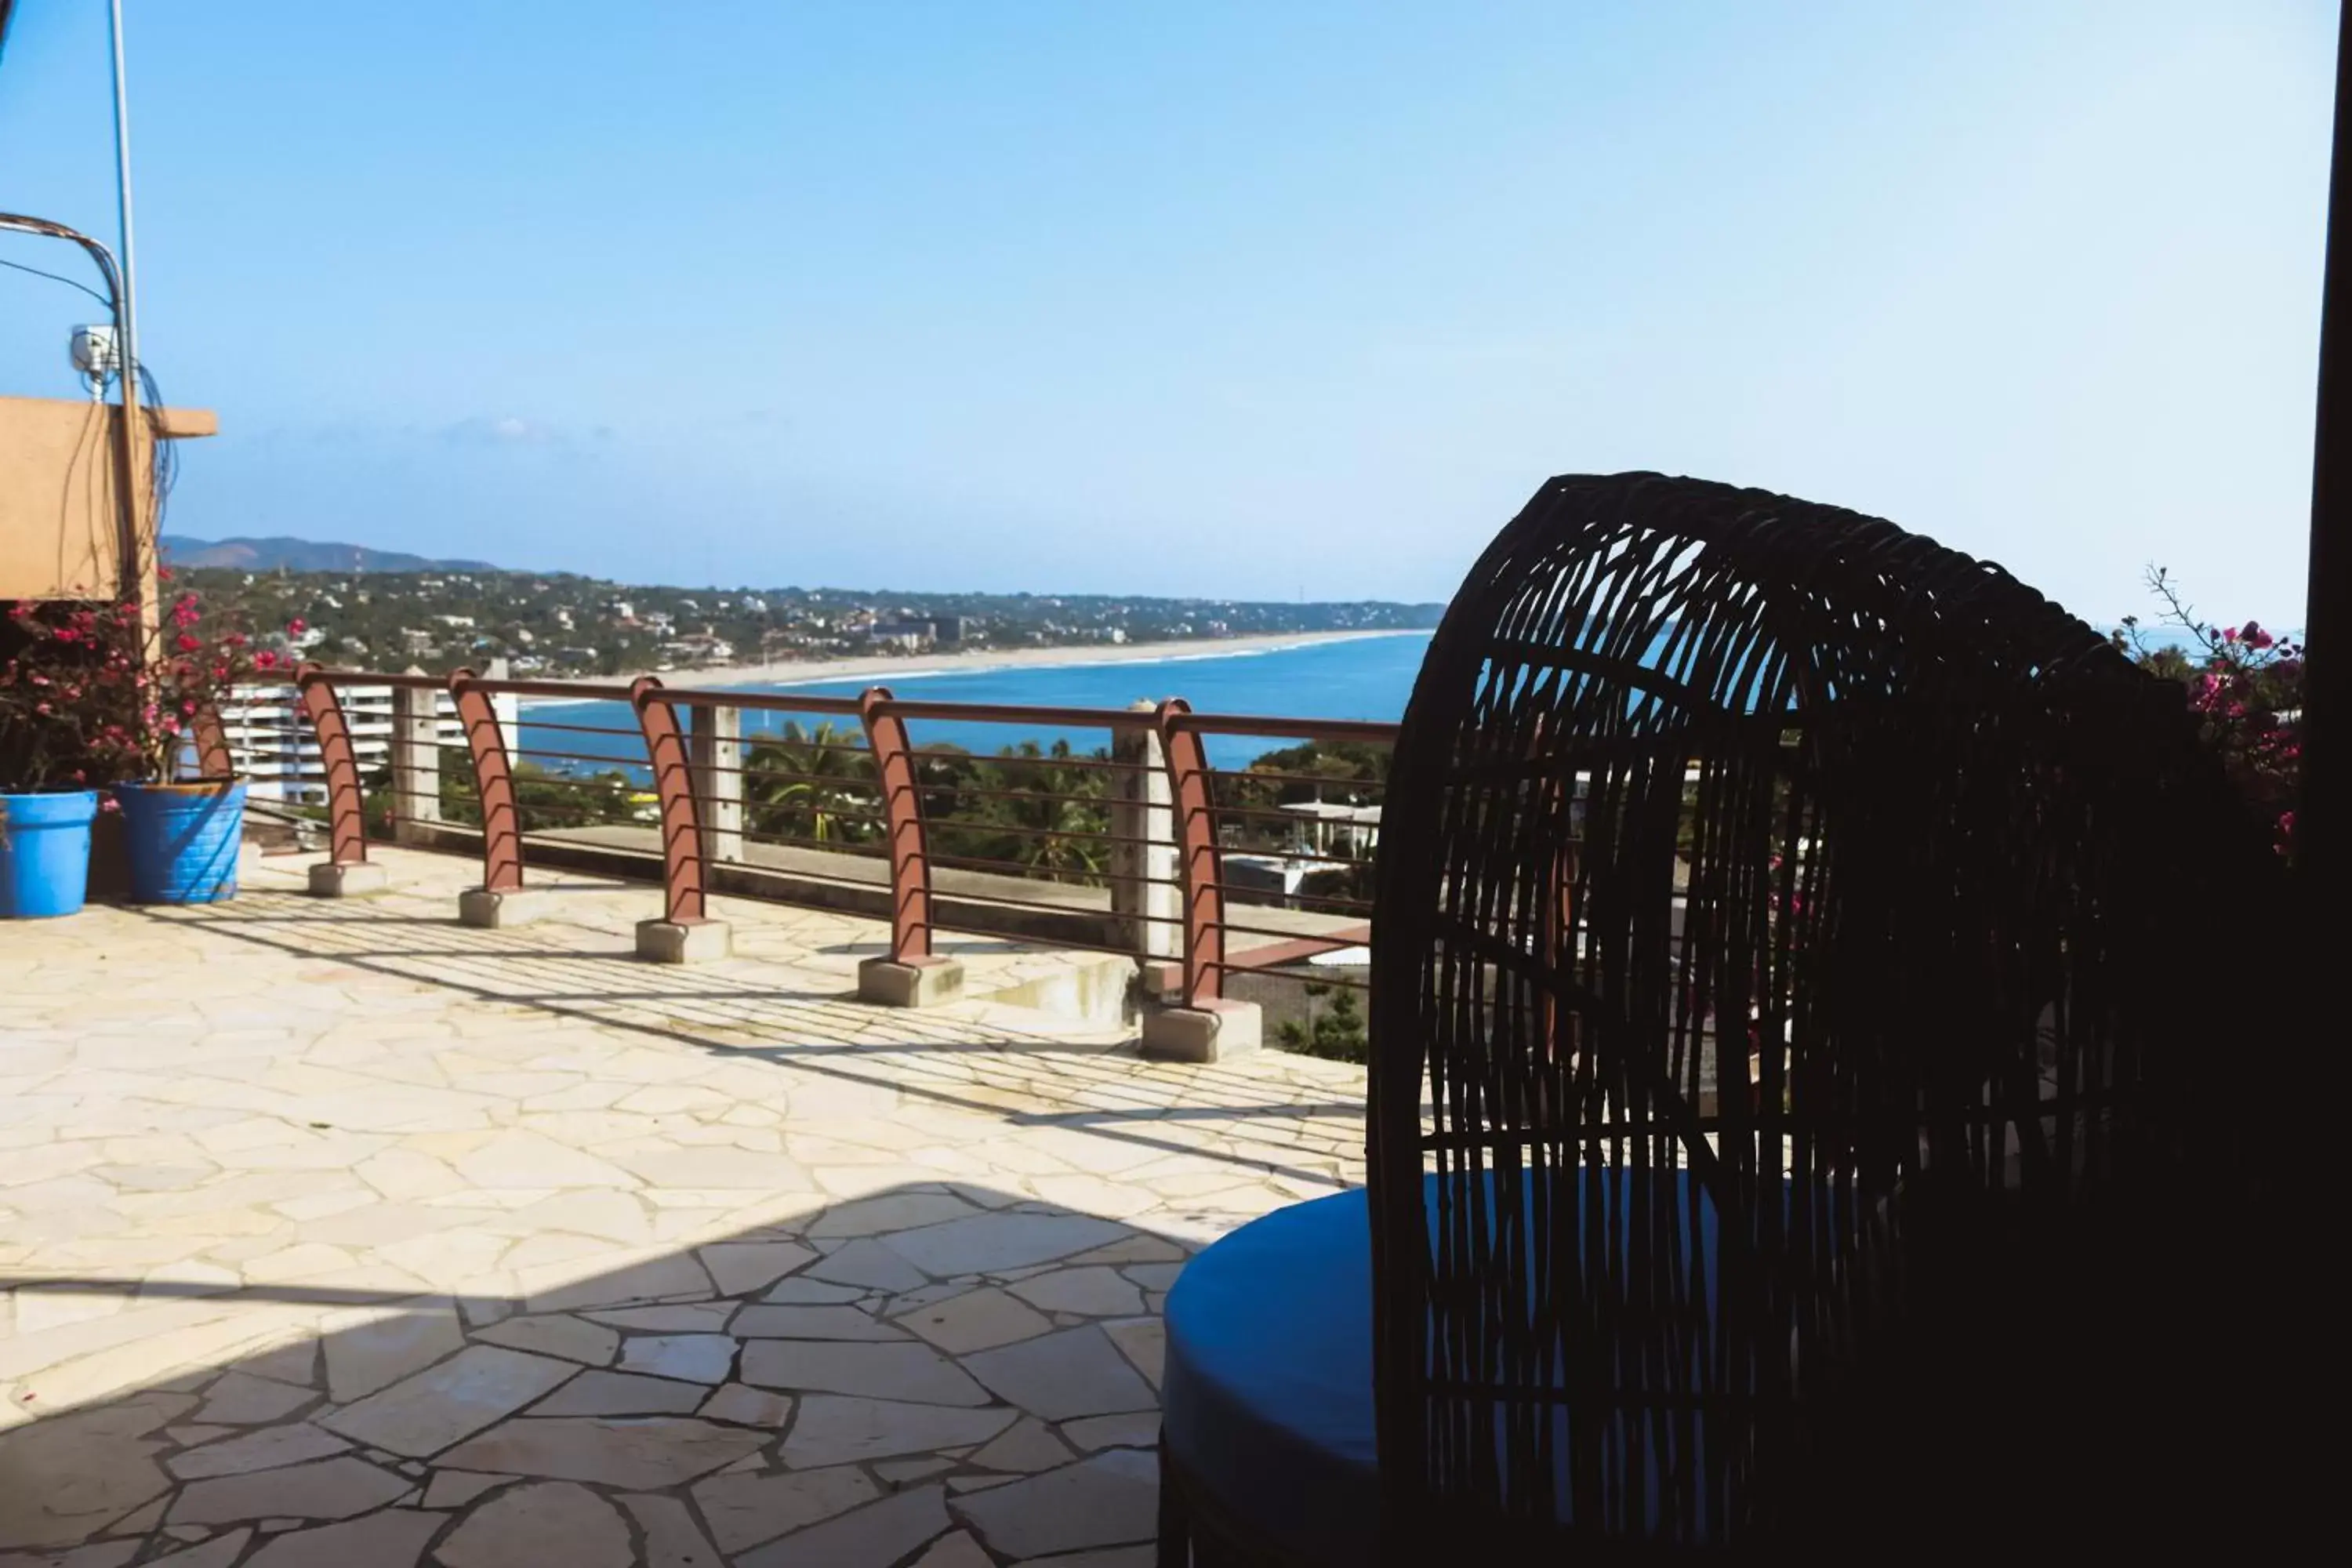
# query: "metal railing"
{"type": "Point", "coordinates": [1135, 847]}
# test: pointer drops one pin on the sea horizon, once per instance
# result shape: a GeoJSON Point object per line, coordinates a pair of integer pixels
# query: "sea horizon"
{"type": "Point", "coordinates": [1365, 678]}
{"type": "Point", "coordinates": [869, 669]}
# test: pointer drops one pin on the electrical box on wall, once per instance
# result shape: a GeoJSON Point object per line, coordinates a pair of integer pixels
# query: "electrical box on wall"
{"type": "Point", "coordinates": [96, 354]}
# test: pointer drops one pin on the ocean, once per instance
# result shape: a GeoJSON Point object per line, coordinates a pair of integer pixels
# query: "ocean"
{"type": "Point", "coordinates": [1363, 677]}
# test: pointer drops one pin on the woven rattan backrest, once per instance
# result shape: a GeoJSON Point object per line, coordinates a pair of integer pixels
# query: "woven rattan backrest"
{"type": "Point", "coordinates": [1760, 841]}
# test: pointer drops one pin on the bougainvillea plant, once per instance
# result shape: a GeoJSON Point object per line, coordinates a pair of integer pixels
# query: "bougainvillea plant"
{"type": "Point", "coordinates": [80, 707]}
{"type": "Point", "coordinates": [2245, 685]}
{"type": "Point", "coordinates": [70, 698]}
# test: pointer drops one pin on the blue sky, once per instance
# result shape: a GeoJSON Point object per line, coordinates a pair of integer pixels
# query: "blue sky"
{"type": "Point", "coordinates": [1249, 299]}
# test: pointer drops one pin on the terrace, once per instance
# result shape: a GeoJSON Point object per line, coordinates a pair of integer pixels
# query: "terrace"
{"type": "Point", "coordinates": [339, 1231]}
{"type": "Point", "coordinates": [401, 1212]}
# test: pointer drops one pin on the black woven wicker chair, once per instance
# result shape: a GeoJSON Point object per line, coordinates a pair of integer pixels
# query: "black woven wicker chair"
{"type": "Point", "coordinates": [1771, 915]}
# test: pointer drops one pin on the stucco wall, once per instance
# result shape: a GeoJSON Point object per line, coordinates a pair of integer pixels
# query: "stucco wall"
{"type": "Point", "coordinates": [60, 532]}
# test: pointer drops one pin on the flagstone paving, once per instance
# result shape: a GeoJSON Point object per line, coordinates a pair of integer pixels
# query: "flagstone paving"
{"type": "Point", "coordinates": [334, 1234]}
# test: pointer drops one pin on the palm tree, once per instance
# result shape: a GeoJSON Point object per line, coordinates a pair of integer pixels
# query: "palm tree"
{"type": "Point", "coordinates": [802, 784]}
{"type": "Point", "coordinates": [1059, 811]}
{"type": "Point", "coordinates": [1015, 809]}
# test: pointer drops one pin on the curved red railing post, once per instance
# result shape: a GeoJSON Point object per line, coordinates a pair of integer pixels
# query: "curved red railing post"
{"type": "Point", "coordinates": [346, 806]}
{"type": "Point", "coordinates": [1198, 863]}
{"type": "Point", "coordinates": [681, 817]}
{"type": "Point", "coordinates": [902, 815]}
{"type": "Point", "coordinates": [213, 759]}
{"type": "Point", "coordinates": [493, 782]}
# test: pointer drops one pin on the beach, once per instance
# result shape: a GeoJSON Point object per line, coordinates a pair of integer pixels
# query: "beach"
{"type": "Point", "coordinates": [981, 661]}
{"type": "Point", "coordinates": [1347, 675]}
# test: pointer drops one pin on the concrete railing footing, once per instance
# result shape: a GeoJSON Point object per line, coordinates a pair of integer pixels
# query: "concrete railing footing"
{"type": "Point", "coordinates": [348, 879]}
{"type": "Point", "coordinates": [910, 983]}
{"type": "Point", "coordinates": [1206, 1032]}
{"type": "Point", "coordinates": [491, 911]}
{"type": "Point", "coordinates": [683, 942]}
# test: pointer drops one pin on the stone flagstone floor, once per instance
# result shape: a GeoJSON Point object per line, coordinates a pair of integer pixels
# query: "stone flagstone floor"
{"type": "Point", "coordinates": [337, 1235]}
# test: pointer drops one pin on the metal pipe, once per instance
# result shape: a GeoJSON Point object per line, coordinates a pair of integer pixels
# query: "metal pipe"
{"type": "Point", "coordinates": [493, 785]}
{"type": "Point", "coordinates": [1009, 714]}
{"type": "Point", "coordinates": [346, 801]}
{"type": "Point", "coordinates": [580, 729]}
{"type": "Point", "coordinates": [129, 309]}
{"type": "Point", "coordinates": [1200, 860]}
{"type": "Point", "coordinates": [137, 569]}
{"type": "Point", "coordinates": [334, 677]}
{"type": "Point", "coordinates": [1089, 764]}
{"type": "Point", "coordinates": [681, 821]}
{"type": "Point", "coordinates": [1279, 729]}
{"type": "Point", "coordinates": [902, 803]}
{"type": "Point", "coordinates": [126, 448]}
{"type": "Point", "coordinates": [762, 701]}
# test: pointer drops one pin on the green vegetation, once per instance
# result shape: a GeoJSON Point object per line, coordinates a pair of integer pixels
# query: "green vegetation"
{"type": "Point", "coordinates": [544, 800]}
{"type": "Point", "coordinates": [1333, 1029]}
{"type": "Point", "coordinates": [1040, 808]}
{"type": "Point", "coordinates": [1028, 807]}
{"type": "Point", "coordinates": [814, 786]}
{"type": "Point", "coordinates": [557, 623]}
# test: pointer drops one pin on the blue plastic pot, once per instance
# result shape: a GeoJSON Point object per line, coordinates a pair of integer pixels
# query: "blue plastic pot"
{"type": "Point", "coordinates": [182, 840]}
{"type": "Point", "coordinates": [44, 853]}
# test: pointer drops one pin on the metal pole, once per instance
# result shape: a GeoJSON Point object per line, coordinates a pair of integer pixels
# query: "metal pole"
{"type": "Point", "coordinates": [126, 449]}
{"type": "Point", "coordinates": [139, 551]}
{"type": "Point", "coordinates": [2320, 816]}
{"type": "Point", "coordinates": [122, 197]}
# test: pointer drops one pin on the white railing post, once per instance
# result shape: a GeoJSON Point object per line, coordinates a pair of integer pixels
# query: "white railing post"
{"type": "Point", "coordinates": [1145, 899]}
{"type": "Point", "coordinates": [714, 760]}
{"type": "Point", "coordinates": [415, 761]}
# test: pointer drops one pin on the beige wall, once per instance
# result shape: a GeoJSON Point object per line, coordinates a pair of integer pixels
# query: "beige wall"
{"type": "Point", "coordinates": [60, 532]}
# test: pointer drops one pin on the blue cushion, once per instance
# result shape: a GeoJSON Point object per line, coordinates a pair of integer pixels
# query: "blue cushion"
{"type": "Point", "coordinates": [1268, 1389]}
{"type": "Point", "coordinates": [1268, 1386]}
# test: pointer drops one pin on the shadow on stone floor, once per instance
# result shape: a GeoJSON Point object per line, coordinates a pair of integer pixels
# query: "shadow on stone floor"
{"type": "Point", "coordinates": [1106, 1092]}
{"type": "Point", "coordinates": [524, 967]}
{"type": "Point", "coordinates": [936, 1373]}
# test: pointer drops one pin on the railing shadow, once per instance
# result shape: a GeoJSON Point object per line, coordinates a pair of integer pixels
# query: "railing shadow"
{"type": "Point", "coordinates": [970, 1064]}
{"type": "Point", "coordinates": [921, 1363]}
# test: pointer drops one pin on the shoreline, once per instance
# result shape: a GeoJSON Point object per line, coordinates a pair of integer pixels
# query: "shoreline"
{"type": "Point", "coordinates": [977, 661]}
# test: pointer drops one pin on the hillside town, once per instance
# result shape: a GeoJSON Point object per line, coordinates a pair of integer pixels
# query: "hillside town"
{"type": "Point", "coordinates": [562, 625]}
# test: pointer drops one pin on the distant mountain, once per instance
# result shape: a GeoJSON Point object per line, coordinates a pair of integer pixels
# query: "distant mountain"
{"type": "Point", "coordinates": [301, 555]}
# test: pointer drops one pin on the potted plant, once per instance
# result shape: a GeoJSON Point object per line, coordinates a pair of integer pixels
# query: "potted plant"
{"type": "Point", "coordinates": [92, 698]}
{"type": "Point", "coordinates": [182, 832]}
{"type": "Point", "coordinates": [68, 726]}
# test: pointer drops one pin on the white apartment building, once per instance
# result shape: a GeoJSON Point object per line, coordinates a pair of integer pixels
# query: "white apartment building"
{"type": "Point", "coordinates": [277, 754]}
